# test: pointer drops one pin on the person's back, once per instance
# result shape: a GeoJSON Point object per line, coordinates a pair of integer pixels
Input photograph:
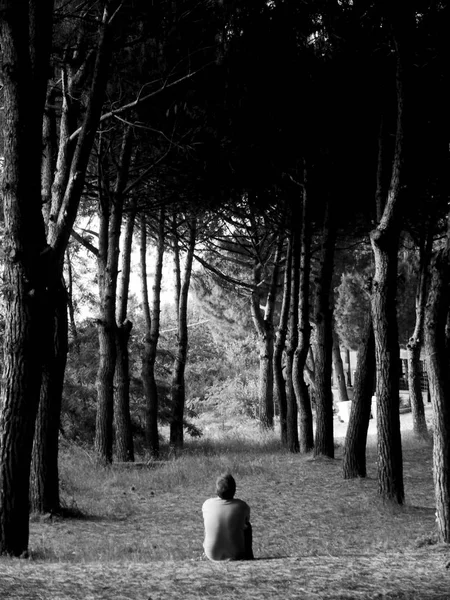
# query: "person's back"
{"type": "Point", "coordinates": [228, 534]}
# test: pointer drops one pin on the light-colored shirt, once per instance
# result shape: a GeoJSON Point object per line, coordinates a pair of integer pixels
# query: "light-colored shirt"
{"type": "Point", "coordinates": [225, 522]}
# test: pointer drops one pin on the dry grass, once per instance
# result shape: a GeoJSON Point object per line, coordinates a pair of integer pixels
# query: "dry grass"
{"type": "Point", "coordinates": [316, 536]}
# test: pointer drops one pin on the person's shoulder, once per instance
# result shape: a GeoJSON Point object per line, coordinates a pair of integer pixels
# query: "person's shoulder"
{"type": "Point", "coordinates": [241, 503]}
{"type": "Point", "coordinates": [209, 502]}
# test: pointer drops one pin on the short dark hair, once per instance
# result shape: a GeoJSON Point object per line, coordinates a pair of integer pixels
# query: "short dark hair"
{"type": "Point", "coordinates": [226, 486]}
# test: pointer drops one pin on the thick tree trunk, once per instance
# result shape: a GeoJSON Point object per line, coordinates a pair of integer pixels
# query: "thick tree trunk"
{"type": "Point", "coordinates": [354, 460]}
{"type": "Point", "coordinates": [25, 39]}
{"type": "Point", "coordinates": [384, 318]}
{"type": "Point", "coordinates": [178, 384]}
{"type": "Point", "coordinates": [44, 490]}
{"type": "Point", "coordinates": [323, 344]}
{"type": "Point", "coordinates": [438, 358]}
{"type": "Point", "coordinates": [280, 340]}
{"type": "Point", "coordinates": [306, 432]}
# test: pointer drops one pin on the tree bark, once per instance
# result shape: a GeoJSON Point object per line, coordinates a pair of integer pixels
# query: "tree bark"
{"type": "Point", "coordinates": [438, 359]}
{"type": "Point", "coordinates": [44, 484]}
{"type": "Point", "coordinates": [390, 468]}
{"type": "Point", "coordinates": [323, 343]}
{"type": "Point", "coordinates": [354, 460]}
{"type": "Point", "coordinates": [122, 418]}
{"type": "Point", "coordinates": [178, 383]}
{"type": "Point", "coordinates": [25, 40]}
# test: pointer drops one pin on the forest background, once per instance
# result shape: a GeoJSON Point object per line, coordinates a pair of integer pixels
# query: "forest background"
{"type": "Point", "coordinates": [290, 160]}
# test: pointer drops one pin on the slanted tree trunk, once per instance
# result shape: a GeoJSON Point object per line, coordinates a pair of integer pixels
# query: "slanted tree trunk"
{"type": "Point", "coordinates": [354, 460]}
{"type": "Point", "coordinates": [349, 369]}
{"type": "Point", "coordinates": [178, 382]}
{"type": "Point", "coordinates": [339, 374]}
{"type": "Point", "coordinates": [25, 41]}
{"type": "Point", "coordinates": [280, 340]}
{"type": "Point", "coordinates": [152, 326]}
{"type": "Point", "coordinates": [323, 344]}
{"type": "Point", "coordinates": [306, 432]}
{"type": "Point", "coordinates": [293, 444]}
{"type": "Point", "coordinates": [438, 360]}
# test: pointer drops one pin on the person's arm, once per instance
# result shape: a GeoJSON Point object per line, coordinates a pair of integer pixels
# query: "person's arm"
{"type": "Point", "coordinates": [248, 537]}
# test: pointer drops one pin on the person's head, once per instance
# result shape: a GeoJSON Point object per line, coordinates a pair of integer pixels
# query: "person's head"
{"type": "Point", "coordinates": [226, 486]}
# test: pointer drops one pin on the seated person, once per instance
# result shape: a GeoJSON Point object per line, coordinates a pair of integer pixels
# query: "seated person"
{"type": "Point", "coordinates": [228, 532]}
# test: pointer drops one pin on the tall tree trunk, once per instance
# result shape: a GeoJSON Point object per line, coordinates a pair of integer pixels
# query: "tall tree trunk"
{"type": "Point", "coordinates": [438, 359]}
{"type": "Point", "coordinates": [62, 185]}
{"type": "Point", "coordinates": [306, 432]}
{"type": "Point", "coordinates": [323, 343]}
{"type": "Point", "coordinates": [280, 340]}
{"type": "Point", "coordinates": [293, 444]}
{"type": "Point", "coordinates": [122, 417]}
{"type": "Point", "coordinates": [415, 344]}
{"type": "Point", "coordinates": [152, 326]}
{"type": "Point", "coordinates": [354, 460]}
{"type": "Point", "coordinates": [385, 240]}
{"type": "Point", "coordinates": [111, 205]}
{"type": "Point", "coordinates": [25, 40]}
{"type": "Point", "coordinates": [178, 382]}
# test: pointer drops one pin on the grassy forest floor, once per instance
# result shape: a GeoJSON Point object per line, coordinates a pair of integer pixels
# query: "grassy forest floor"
{"type": "Point", "coordinates": [136, 533]}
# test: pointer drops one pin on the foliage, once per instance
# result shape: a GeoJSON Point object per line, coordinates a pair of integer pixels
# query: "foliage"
{"type": "Point", "coordinates": [352, 301]}
{"type": "Point", "coordinates": [351, 305]}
